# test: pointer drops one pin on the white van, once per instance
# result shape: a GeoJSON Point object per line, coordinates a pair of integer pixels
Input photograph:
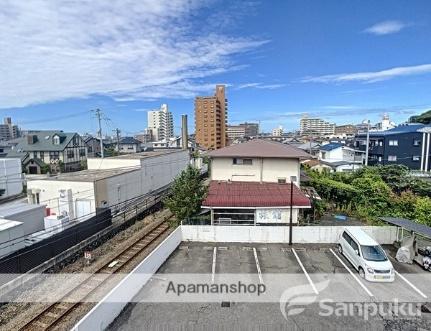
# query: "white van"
{"type": "Point", "coordinates": [366, 255]}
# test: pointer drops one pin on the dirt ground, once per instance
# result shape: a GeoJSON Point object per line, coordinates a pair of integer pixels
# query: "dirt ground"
{"type": "Point", "coordinates": [14, 315]}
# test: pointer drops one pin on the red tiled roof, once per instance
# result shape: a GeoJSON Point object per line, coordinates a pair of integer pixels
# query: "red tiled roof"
{"type": "Point", "coordinates": [260, 148]}
{"type": "Point", "coordinates": [253, 194]}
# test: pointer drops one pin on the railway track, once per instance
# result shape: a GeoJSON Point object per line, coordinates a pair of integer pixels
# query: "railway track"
{"type": "Point", "coordinates": [52, 315]}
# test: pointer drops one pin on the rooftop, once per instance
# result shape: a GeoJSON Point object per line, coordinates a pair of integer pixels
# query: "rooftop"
{"type": "Point", "coordinates": [400, 129]}
{"type": "Point", "coordinates": [91, 175]}
{"type": "Point", "coordinates": [260, 148]}
{"type": "Point", "coordinates": [144, 155]}
{"type": "Point", "coordinates": [7, 224]}
{"type": "Point", "coordinates": [253, 194]}
{"type": "Point", "coordinates": [13, 208]}
{"type": "Point", "coordinates": [330, 146]}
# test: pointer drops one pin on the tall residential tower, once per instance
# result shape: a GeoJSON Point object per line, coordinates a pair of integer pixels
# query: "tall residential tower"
{"type": "Point", "coordinates": [210, 119]}
{"type": "Point", "coordinates": [161, 123]}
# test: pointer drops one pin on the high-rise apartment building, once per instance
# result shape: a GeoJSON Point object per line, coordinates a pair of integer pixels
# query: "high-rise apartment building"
{"type": "Point", "coordinates": [161, 123]}
{"type": "Point", "coordinates": [210, 119]}
{"type": "Point", "coordinates": [8, 130]}
{"type": "Point", "coordinates": [318, 126]}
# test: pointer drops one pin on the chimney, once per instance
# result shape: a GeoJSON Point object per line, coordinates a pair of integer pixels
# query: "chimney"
{"type": "Point", "coordinates": [184, 132]}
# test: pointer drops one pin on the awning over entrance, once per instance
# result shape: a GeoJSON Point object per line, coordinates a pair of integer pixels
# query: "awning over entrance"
{"type": "Point", "coordinates": [253, 194]}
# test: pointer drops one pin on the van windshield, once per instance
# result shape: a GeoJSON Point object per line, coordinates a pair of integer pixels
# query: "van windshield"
{"type": "Point", "coordinates": [373, 253]}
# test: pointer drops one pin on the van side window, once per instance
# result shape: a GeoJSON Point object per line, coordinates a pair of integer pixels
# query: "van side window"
{"type": "Point", "coordinates": [354, 246]}
{"type": "Point", "coordinates": [347, 238]}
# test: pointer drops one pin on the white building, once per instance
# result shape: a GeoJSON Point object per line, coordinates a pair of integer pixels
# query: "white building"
{"type": "Point", "coordinates": [251, 183]}
{"type": "Point", "coordinates": [107, 182]}
{"type": "Point", "coordinates": [30, 215]}
{"type": "Point", "coordinates": [317, 126]}
{"type": "Point", "coordinates": [278, 132]}
{"type": "Point", "coordinates": [161, 123]}
{"type": "Point", "coordinates": [10, 177]}
{"type": "Point", "coordinates": [340, 158]}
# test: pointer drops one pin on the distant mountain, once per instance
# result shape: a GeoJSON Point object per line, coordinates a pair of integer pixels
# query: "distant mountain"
{"type": "Point", "coordinates": [424, 118]}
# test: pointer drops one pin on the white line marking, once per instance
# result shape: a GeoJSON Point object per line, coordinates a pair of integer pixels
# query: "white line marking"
{"type": "Point", "coordinates": [259, 272]}
{"type": "Point", "coordinates": [353, 275]}
{"type": "Point", "coordinates": [412, 286]}
{"type": "Point", "coordinates": [305, 272]}
{"type": "Point", "coordinates": [214, 264]}
{"type": "Point", "coordinates": [408, 282]}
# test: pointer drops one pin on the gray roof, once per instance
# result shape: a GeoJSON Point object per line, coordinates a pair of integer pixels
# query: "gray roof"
{"type": "Point", "coordinates": [409, 225]}
{"type": "Point", "coordinates": [89, 175]}
{"type": "Point", "coordinates": [260, 148]}
{"type": "Point", "coordinates": [44, 141]}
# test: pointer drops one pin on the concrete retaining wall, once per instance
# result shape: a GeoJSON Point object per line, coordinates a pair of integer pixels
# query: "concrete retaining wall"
{"type": "Point", "coordinates": [116, 300]}
{"type": "Point", "coordinates": [280, 234]}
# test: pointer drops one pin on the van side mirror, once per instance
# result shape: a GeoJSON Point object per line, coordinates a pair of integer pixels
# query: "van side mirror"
{"type": "Point", "coordinates": [357, 252]}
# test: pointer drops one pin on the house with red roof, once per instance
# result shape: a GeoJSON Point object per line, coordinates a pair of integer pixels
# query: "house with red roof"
{"type": "Point", "coordinates": [256, 182]}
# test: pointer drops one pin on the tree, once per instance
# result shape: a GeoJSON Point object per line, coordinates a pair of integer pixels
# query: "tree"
{"type": "Point", "coordinates": [423, 210]}
{"type": "Point", "coordinates": [186, 194]}
{"type": "Point", "coordinates": [424, 118]}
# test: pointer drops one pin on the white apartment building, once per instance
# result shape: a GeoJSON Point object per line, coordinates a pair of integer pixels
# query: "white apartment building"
{"type": "Point", "coordinates": [317, 126]}
{"type": "Point", "coordinates": [161, 123]}
{"type": "Point", "coordinates": [278, 132]}
{"type": "Point", "coordinates": [235, 131]}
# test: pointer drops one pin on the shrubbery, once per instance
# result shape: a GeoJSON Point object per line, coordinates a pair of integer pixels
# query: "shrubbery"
{"type": "Point", "coordinates": [376, 191]}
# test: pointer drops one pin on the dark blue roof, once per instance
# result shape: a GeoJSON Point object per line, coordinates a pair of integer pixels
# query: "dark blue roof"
{"type": "Point", "coordinates": [400, 129]}
{"type": "Point", "coordinates": [330, 147]}
{"type": "Point", "coordinates": [129, 141]}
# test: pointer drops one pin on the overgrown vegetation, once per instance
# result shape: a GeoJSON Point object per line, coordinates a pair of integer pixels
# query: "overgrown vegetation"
{"type": "Point", "coordinates": [186, 194]}
{"type": "Point", "coordinates": [376, 191]}
{"type": "Point", "coordinates": [424, 118]}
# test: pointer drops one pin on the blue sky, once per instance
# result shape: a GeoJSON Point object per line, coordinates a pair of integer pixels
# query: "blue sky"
{"type": "Point", "coordinates": [344, 61]}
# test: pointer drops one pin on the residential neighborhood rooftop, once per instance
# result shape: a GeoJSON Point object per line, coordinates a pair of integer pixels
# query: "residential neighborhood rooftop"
{"type": "Point", "coordinates": [144, 155]}
{"type": "Point", "coordinates": [90, 175]}
{"type": "Point", "coordinates": [253, 194]}
{"type": "Point", "coordinates": [260, 148]}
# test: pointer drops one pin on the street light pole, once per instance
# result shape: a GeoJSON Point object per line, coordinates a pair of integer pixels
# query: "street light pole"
{"type": "Point", "coordinates": [368, 143]}
{"type": "Point", "coordinates": [292, 179]}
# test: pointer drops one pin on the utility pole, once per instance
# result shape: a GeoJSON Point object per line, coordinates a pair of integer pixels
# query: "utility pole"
{"type": "Point", "coordinates": [99, 118]}
{"type": "Point", "coordinates": [368, 143]}
{"type": "Point", "coordinates": [117, 132]}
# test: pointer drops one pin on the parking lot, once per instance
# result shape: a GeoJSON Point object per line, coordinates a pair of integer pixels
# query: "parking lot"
{"type": "Point", "coordinates": [318, 271]}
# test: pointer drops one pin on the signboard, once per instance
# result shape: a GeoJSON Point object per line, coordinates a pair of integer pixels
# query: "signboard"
{"type": "Point", "coordinates": [269, 215]}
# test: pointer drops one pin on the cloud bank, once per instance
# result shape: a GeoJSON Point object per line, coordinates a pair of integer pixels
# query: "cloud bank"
{"type": "Point", "coordinates": [124, 49]}
{"type": "Point", "coordinates": [386, 27]}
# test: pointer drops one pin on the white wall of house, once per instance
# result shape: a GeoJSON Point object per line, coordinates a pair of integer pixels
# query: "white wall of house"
{"type": "Point", "coordinates": [332, 156]}
{"type": "Point", "coordinates": [154, 173]}
{"type": "Point", "coordinates": [111, 163]}
{"type": "Point", "coordinates": [261, 169]}
{"type": "Point", "coordinates": [50, 195]}
{"type": "Point", "coordinates": [10, 177]}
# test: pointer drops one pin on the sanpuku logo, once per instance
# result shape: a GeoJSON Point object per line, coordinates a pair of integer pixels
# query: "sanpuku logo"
{"type": "Point", "coordinates": [293, 300]}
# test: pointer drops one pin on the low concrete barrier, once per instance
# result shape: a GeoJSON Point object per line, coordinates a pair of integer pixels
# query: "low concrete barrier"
{"type": "Point", "coordinates": [115, 301]}
{"type": "Point", "coordinates": [280, 234]}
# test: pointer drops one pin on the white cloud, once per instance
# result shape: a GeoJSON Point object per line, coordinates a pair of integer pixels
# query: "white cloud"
{"type": "Point", "coordinates": [386, 27]}
{"type": "Point", "coordinates": [126, 49]}
{"type": "Point", "coordinates": [260, 86]}
{"type": "Point", "coordinates": [370, 76]}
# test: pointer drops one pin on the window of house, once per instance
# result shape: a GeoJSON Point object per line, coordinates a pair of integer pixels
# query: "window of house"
{"type": "Point", "coordinates": [416, 158]}
{"type": "Point", "coordinates": [380, 159]}
{"type": "Point", "coordinates": [416, 142]}
{"type": "Point", "coordinates": [281, 180]}
{"type": "Point", "coordinates": [82, 152]}
{"type": "Point", "coordinates": [393, 142]}
{"type": "Point", "coordinates": [70, 154]}
{"type": "Point", "coordinates": [392, 158]}
{"type": "Point", "coordinates": [242, 161]}
{"type": "Point", "coordinates": [380, 143]}
{"type": "Point", "coordinates": [54, 155]}
{"type": "Point", "coordinates": [42, 155]}
{"type": "Point", "coordinates": [56, 140]}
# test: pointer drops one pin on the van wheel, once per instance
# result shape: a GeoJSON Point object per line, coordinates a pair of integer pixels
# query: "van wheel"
{"type": "Point", "coordinates": [361, 272]}
{"type": "Point", "coordinates": [340, 249]}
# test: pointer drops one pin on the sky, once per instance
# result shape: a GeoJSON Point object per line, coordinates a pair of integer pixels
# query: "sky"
{"type": "Point", "coordinates": [343, 61]}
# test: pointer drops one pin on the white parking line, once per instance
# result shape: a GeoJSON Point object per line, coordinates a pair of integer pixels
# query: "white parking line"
{"type": "Point", "coordinates": [305, 272]}
{"type": "Point", "coordinates": [408, 282]}
{"type": "Point", "coordinates": [214, 264]}
{"type": "Point", "coordinates": [353, 275]}
{"type": "Point", "coordinates": [412, 286]}
{"type": "Point", "coordinates": [259, 272]}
